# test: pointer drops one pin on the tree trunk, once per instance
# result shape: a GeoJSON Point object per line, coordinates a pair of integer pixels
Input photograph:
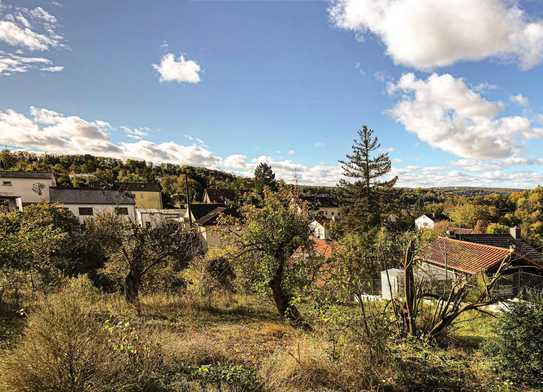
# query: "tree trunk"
{"type": "Point", "coordinates": [132, 287]}
{"type": "Point", "coordinates": [283, 300]}
{"type": "Point", "coordinates": [410, 290]}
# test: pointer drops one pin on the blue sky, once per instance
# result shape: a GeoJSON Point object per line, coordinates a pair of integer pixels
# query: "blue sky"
{"type": "Point", "coordinates": [453, 92]}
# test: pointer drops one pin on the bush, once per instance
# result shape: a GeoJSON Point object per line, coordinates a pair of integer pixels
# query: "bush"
{"type": "Point", "coordinates": [517, 350]}
{"type": "Point", "coordinates": [66, 347]}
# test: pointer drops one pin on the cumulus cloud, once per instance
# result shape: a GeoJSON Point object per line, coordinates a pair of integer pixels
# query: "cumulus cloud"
{"type": "Point", "coordinates": [520, 100]}
{"type": "Point", "coordinates": [425, 34]}
{"type": "Point", "coordinates": [178, 70]}
{"type": "Point", "coordinates": [445, 113]}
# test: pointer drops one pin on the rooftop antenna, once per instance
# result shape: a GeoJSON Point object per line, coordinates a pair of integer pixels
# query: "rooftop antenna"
{"type": "Point", "coordinates": [296, 178]}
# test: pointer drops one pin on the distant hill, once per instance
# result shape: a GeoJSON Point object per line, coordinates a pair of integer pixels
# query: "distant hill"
{"type": "Point", "coordinates": [476, 191]}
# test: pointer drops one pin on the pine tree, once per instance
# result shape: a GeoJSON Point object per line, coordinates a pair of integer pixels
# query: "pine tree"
{"type": "Point", "coordinates": [264, 177]}
{"type": "Point", "coordinates": [364, 194]}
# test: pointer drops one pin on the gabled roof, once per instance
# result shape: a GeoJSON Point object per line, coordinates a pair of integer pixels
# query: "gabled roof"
{"type": "Point", "coordinates": [199, 210]}
{"type": "Point", "coordinates": [221, 195]}
{"type": "Point", "coordinates": [506, 241]}
{"type": "Point", "coordinates": [211, 217]}
{"type": "Point", "coordinates": [23, 174]}
{"type": "Point", "coordinates": [89, 196]}
{"type": "Point", "coordinates": [138, 186]}
{"type": "Point", "coordinates": [322, 247]}
{"type": "Point", "coordinates": [463, 256]}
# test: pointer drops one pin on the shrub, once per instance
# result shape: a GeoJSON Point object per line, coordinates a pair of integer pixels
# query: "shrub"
{"type": "Point", "coordinates": [517, 350]}
{"type": "Point", "coordinates": [66, 347]}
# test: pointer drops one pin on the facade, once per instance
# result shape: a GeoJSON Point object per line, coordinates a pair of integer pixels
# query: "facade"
{"type": "Point", "coordinates": [147, 195]}
{"type": "Point", "coordinates": [323, 206]}
{"type": "Point", "coordinates": [319, 230]}
{"type": "Point", "coordinates": [424, 222]}
{"type": "Point", "coordinates": [28, 187]}
{"type": "Point", "coordinates": [88, 203]}
{"type": "Point", "coordinates": [156, 217]}
{"type": "Point", "coordinates": [219, 196]}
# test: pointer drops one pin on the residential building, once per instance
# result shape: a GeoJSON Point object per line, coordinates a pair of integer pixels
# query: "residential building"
{"type": "Point", "coordinates": [20, 188]}
{"type": "Point", "coordinates": [323, 205]}
{"type": "Point", "coordinates": [88, 203]}
{"type": "Point", "coordinates": [319, 230]}
{"type": "Point", "coordinates": [147, 195]}
{"type": "Point", "coordinates": [198, 211]}
{"type": "Point", "coordinates": [428, 221]}
{"type": "Point", "coordinates": [220, 196]}
{"type": "Point", "coordinates": [155, 217]}
{"type": "Point", "coordinates": [473, 254]}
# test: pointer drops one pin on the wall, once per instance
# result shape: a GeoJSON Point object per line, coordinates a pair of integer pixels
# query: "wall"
{"type": "Point", "coordinates": [23, 187]}
{"type": "Point", "coordinates": [156, 217]}
{"type": "Point", "coordinates": [99, 209]}
{"type": "Point", "coordinates": [148, 199]}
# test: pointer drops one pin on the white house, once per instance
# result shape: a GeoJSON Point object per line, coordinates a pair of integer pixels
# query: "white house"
{"type": "Point", "coordinates": [150, 217]}
{"type": "Point", "coordinates": [319, 230]}
{"type": "Point", "coordinates": [19, 188]}
{"type": "Point", "coordinates": [324, 206]}
{"type": "Point", "coordinates": [424, 222]}
{"type": "Point", "coordinates": [87, 203]}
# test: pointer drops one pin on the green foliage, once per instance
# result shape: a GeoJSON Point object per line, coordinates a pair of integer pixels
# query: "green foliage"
{"type": "Point", "coordinates": [365, 195]}
{"type": "Point", "coordinates": [264, 178]}
{"type": "Point", "coordinates": [517, 349]}
{"type": "Point", "coordinates": [219, 275]}
{"type": "Point", "coordinates": [497, 228]}
{"type": "Point", "coordinates": [237, 377]}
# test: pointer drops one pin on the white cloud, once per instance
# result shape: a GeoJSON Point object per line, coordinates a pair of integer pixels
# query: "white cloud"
{"type": "Point", "coordinates": [177, 70]}
{"type": "Point", "coordinates": [445, 113]}
{"type": "Point", "coordinates": [291, 152]}
{"type": "Point", "coordinates": [11, 63]}
{"type": "Point", "coordinates": [521, 100]}
{"type": "Point", "coordinates": [32, 29]}
{"type": "Point", "coordinates": [432, 33]}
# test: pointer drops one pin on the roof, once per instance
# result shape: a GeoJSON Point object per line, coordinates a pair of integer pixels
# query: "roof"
{"type": "Point", "coordinates": [322, 247]}
{"type": "Point", "coordinates": [463, 256]}
{"type": "Point", "coordinates": [459, 230]}
{"type": "Point", "coordinates": [89, 196]}
{"type": "Point", "coordinates": [211, 217]}
{"type": "Point", "coordinates": [217, 195]}
{"type": "Point", "coordinates": [23, 174]}
{"type": "Point", "coordinates": [138, 186]}
{"type": "Point", "coordinates": [435, 217]}
{"type": "Point", "coordinates": [522, 249]}
{"type": "Point", "coordinates": [321, 200]}
{"type": "Point", "coordinates": [199, 210]}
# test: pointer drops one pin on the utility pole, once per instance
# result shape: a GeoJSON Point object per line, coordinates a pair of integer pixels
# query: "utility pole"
{"type": "Point", "coordinates": [187, 199]}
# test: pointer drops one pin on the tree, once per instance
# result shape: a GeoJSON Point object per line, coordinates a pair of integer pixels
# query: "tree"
{"type": "Point", "coordinates": [139, 250]}
{"type": "Point", "coordinates": [264, 177]}
{"type": "Point", "coordinates": [364, 193]}
{"type": "Point", "coordinates": [269, 238]}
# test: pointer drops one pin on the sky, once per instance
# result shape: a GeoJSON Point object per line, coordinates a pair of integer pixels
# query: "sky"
{"type": "Point", "coordinates": [452, 92]}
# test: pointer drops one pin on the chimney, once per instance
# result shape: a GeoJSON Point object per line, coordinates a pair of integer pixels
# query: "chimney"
{"type": "Point", "coordinates": [515, 232]}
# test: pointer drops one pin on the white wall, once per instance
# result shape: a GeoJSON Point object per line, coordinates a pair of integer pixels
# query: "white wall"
{"type": "Point", "coordinates": [423, 222]}
{"type": "Point", "coordinates": [318, 230]}
{"type": "Point", "coordinates": [99, 209]}
{"type": "Point", "coordinates": [158, 217]}
{"type": "Point", "coordinates": [23, 187]}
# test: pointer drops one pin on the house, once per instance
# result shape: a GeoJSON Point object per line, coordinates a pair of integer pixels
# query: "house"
{"type": "Point", "coordinates": [205, 218]}
{"type": "Point", "coordinates": [87, 203]}
{"type": "Point", "coordinates": [220, 196]}
{"type": "Point", "coordinates": [323, 205]}
{"type": "Point", "coordinates": [19, 188]}
{"type": "Point", "coordinates": [428, 221]}
{"type": "Point", "coordinates": [473, 254]}
{"type": "Point", "coordinates": [319, 230]}
{"type": "Point", "coordinates": [148, 195]}
{"type": "Point", "coordinates": [149, 217]}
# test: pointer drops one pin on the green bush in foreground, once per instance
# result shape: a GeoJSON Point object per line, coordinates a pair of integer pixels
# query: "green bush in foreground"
{"type": "Point", "coordinates": [517, 350]}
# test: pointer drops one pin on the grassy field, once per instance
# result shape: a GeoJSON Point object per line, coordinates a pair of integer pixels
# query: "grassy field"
{"type": "Point", "coordinates": [232, 343]}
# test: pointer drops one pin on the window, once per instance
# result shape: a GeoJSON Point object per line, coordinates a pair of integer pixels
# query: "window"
{"type": "Point", "coordinates": [121, 210]}
{"type": "Point", "coordinates": [85, 211]}
{"type": "Point", "coordinates": [6, 183]}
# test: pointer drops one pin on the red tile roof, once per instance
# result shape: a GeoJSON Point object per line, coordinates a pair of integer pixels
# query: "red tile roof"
{"type": "Point", "coordinates": [463, 256]}
{"type": "Point", "coordinates": [322, 247]}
